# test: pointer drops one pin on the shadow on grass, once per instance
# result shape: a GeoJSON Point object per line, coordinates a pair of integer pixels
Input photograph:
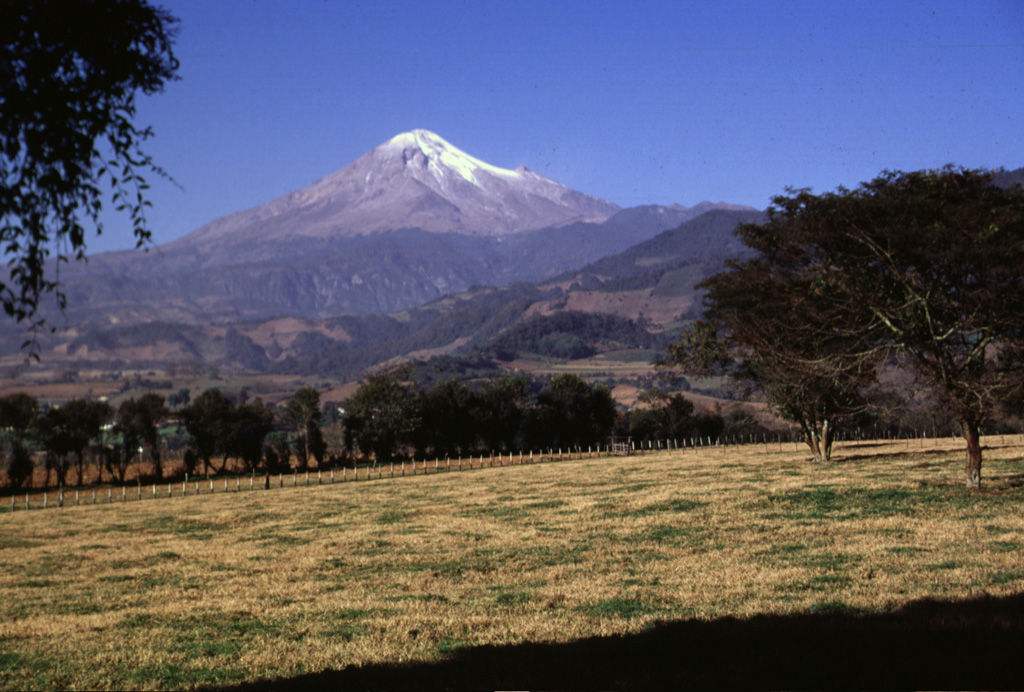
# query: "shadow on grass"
{"type": "Point", "coordinates": [974, 644]}
{"type": "Point", "coordinates": [953, 455]}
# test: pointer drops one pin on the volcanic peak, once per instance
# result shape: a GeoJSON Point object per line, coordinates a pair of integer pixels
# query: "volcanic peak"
{"type": "Point", "coordinates": [419, 146]}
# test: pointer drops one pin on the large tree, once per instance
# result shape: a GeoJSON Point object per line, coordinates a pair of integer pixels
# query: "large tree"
{"type": "Point", "coordinates": [502, 406]}
{"type": "Point", "coordinates": [69, 429]}
{"type": "Point", "coordinates": [18, 413]}
{"type": "Point", "coordinates": [303, 411]}
{"type": "Point", "coordinates": [69, 74]}
{"type": "Point", "coordinates": [137, 421]}
{"type": "Point", "coordinates": [207, 420]}
{"type": "Point", "coordinates": [448, 425]}
{"type": "Point", "coordinates": [569, 413]}
{"type": "Point", "coordinates": [929, 265]}
{"type": "Point", "coordinates": [251, 422]}
{"type": "Point", "coordinates": [770, 327]}
{"type": "Point", "coordinates": [383, 413]}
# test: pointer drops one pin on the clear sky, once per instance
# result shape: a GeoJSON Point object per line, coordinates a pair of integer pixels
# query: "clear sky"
{"type": "Point", "coordinates": [635, 102]}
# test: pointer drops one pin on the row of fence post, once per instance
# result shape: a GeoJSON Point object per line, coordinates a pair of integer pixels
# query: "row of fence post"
{"type": "Point", "coordinates": [484, 461]}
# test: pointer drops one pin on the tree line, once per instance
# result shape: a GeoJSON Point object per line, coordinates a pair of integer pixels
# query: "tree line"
{"type": "Point", "coordinates": [213, 430]}
{"type": "Point", "coordinates": [389, 416]}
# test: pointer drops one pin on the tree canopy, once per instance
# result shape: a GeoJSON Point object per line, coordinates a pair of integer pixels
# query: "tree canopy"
{"type": "Point", "coordinates": [926, 267]}
{"type": "Point", "coordinates": [383, 413]}
{"type": "Point", "coordinates": [69, 73]}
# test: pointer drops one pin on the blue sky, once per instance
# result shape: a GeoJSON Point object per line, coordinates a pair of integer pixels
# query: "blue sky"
{"type": "Point", "coordinates": [635, 102]}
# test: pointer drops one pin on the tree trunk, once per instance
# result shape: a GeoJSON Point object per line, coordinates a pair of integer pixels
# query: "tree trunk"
{"type": "Point", "coordinates": [812, 439]}
{"type": "Point", "coordinates": [973, 470]}
{"type": "Point", "coordinates": [158, 468]}
{"type": "Point", "coordinates": [80, 466]}
{"type": "Point", "coordinates": [828, 434]}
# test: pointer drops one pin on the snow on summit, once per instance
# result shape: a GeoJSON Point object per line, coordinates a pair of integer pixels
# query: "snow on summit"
{"type": "Point", "coordinates": [442, 155]}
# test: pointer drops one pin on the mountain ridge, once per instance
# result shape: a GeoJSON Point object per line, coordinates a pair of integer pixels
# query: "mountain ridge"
{"type": "Point", "coordinates": [407, 222]}
{"type": "Point", "coordinates": [653, 284]}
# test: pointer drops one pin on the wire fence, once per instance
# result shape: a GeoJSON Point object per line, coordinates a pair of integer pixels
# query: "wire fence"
{"type": "Point", "coordinates": [195, 486]}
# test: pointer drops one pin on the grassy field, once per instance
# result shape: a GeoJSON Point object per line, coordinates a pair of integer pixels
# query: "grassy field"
{"type": "Point", "coordinates": [580, 573]}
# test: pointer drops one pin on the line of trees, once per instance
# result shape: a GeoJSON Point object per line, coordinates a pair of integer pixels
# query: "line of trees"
{"type": "Point", "coordinates": [389, 415]}
{"type": "Point", "coordinates": [214, 429]}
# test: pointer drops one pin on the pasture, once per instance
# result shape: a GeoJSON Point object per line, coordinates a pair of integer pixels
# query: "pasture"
{"type": "Point", "coordinates": [732, 566]}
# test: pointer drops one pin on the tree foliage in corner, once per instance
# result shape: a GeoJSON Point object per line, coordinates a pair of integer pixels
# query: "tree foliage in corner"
{"type": "Point", "coordinates": [928, 265]}
{"type": "Point", "coordinates": [69, 73]}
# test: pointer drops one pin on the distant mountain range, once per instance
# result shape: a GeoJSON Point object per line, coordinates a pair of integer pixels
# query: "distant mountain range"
{"type": "Point", "coordinates": [634, 299]}
{"type": "Point", "coordinates": [410, 221]}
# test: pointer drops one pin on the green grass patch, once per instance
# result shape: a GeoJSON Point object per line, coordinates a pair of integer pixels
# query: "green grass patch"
{"type": "Point", "coordinates": [284, 540]}
{"type": "Point", "coordinates": [825, 502]}
{"type": "Point", "coordinates": [509, 599]}
{"type": "Point", "coordinates": [1007, 546]}
{"type": "Point", "coordinates": [392, 516]}
{"type": "Point", "coordinates": [33, 584]}
{"type": "Point", "coordinates": [676, 535]}
{"type": "Point", "coordinates": [680, 506]}
{"type": "Point", "coordinates": [1005, 577]}
{"type": "Point", "coordinates": [9, 542]}
{"type": "Point", "coordinates": [450, 646]}
{"type": "Point", "coordinates": [835, 606]}
{"type": "Point", "coordinates": [173, 676]}
{"type": "Point", "coordinates": [627, 608]}
{"type": "Point", "coordinates": [548, 504]}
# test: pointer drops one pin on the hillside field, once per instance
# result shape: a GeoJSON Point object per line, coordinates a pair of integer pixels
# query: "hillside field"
{"type": "Point", "coordinates": [720, 567]}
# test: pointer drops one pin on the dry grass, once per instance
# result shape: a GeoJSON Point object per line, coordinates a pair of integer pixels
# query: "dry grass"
{"type": "Point", "coordinates": [245, 586]}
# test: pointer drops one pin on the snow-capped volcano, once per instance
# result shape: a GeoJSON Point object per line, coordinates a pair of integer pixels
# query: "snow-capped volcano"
{"type": "Point", "coordinates": [414, 180]}
{"type": "Point", "coordinates": [406, 223]}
